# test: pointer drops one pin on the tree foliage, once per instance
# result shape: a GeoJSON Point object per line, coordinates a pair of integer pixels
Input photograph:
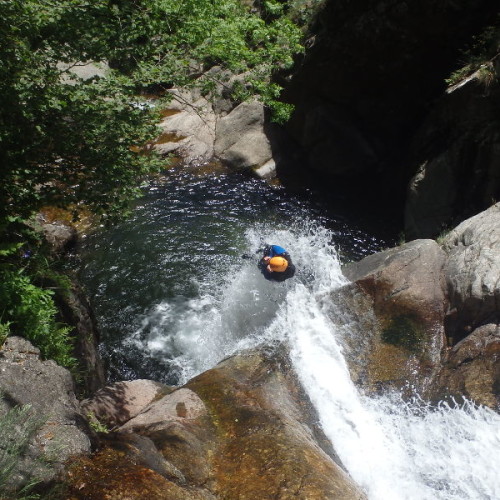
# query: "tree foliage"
{"type": "Point", "coordinates": [66, 140]}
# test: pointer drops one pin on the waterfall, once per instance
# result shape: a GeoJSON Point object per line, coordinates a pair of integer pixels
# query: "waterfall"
{"type": "Point", "coordinates": [392, 449]}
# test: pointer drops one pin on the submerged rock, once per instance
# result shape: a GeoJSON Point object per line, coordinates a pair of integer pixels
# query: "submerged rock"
{"type": "Point", "coordinates": [244, 429]}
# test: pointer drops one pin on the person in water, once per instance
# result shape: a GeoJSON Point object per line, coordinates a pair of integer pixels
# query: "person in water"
{"type": "Point", "coordinates": [276, 263]}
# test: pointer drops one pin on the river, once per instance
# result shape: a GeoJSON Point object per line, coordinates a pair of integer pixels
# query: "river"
{"type": "Point", "coordinates": [173, 296]}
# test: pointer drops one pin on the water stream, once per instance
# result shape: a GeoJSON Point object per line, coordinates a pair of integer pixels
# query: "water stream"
{"type": "Point", "coordinates": [173, 296]}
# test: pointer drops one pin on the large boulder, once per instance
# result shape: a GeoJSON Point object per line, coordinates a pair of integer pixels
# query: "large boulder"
{"type": "Point", "coordinates": [407, 300]}
{"type": "Point", "coordinates": [241, 140]}
{"type": "Point", "coordinates": [198, 131]}
{"type": "Point", "coordinates": [456, 157]}
{"type": "Point", "coordinates": [116, 404]}
{"type": "Point", "coordinates": [244, 429]}
{"type": "Point", "coordinates": [188, 128]}
{"type": "Point", "coordinates": [472, 273]}
{"type": "Point", "coordinates": [403, 345]}
{"type": "Point", "coordinates": [62, 431]}
{"type": "Point", "coordinates": [473, 369]}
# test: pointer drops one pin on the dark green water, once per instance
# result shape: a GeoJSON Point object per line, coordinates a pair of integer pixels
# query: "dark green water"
{"type": "Point", "coordinates": [180, 248]}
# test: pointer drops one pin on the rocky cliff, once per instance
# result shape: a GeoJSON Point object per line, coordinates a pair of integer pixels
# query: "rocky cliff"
{"type": "Point", "coordinates": [372, 109]}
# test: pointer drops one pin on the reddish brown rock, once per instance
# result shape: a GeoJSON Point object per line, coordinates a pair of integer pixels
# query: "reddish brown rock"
{"type": "Point", "coordinates": [243, 430]}
{"type": "Point", "coordinates": [116, 404]}
{"type": "Point", "coordinates": [405, 287]}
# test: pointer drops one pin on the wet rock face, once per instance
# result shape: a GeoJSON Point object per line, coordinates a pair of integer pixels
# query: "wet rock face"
{"type": "Point", "coordinates": [265, 429]}
{"type": "Point", "coordinates": [406, 289]}
{"type": "Point", "coordinates": [48, 388]}
{"type": "Point", "coordinates": [241, 430]}
{"type": "Point", "coordinates": [409, 298]}
{"type": "Point", "coordinates": [128, 466]}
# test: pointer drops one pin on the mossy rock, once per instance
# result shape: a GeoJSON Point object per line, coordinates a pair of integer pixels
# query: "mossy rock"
{"type": "Point", "coordinates": [404, 330]}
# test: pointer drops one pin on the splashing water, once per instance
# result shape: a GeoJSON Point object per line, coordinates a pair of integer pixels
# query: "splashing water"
{"type": "Point", "coordinates": [392, 449]}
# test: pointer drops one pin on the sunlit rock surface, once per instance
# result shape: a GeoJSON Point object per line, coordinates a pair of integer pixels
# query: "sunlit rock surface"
{"type": "Point", "coordinates": [117, 403]}
{"type": "Point", "coordinates": [188, 127]}
{"type": "Point", "coordinates": [244, 429]}
{"type": "Point", "coordinates": [473, 272]}
{"type": "Point", "coordinates": [472, 275]}
{"type": "Point", "coordinates": [241, 140]}
{"type": "Point", "coordinates": [406, 289]}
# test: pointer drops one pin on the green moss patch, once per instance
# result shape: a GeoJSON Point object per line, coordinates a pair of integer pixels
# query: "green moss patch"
{"type": "Point", "coordinates": [404, 331]}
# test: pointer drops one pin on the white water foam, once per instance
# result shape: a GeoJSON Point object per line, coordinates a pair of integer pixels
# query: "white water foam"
{"type": "Point", "coordinates": [393, 450]}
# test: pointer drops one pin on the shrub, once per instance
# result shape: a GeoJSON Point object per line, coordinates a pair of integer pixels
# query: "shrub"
{"type": "Point", "coordinates": [477, 56]}
{"type": "Point", "coordinates": [31, 312]}
{"type": "Point", "coordinates": [4, 332]}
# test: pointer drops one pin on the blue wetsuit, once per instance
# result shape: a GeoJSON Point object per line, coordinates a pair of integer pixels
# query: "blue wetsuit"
{"type": "Point", "coordinates": [274, 250]}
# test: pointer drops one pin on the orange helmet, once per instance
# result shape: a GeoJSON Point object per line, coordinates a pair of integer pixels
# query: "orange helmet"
{"type": "Point", "coordinates": [278, 264]}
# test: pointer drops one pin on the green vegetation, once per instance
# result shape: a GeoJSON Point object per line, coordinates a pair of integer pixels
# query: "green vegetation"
{"type": "Point", "coordinates": [303, 12]}
{"type": "Point", "coordinates": [4, 332]}
{"type": "Point", "coordinates": [478, 56]}
{"type": "Point", "coordinates": [403, 331]}
{"type": "Point", "coordinates": [31, 312]}
{"type": "Point", "coordinates": [17, 427]}
{"type": "Point", "coordinates": [96, 424]}
{"type": "Point", "coordinates": [27, 309]}
{"type": "Point", "coordinates": [67, 140]}
{"type": "Point", "coordinates": [73, 142]}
